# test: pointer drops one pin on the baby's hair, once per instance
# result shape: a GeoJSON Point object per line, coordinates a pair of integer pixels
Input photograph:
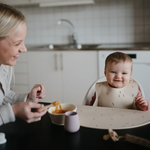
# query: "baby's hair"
{"type": "Point", "coordinates": [117, 57]}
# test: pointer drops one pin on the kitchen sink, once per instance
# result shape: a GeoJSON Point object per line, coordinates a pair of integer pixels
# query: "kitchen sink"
{"type": "Point", "coordinates": [65, 47]}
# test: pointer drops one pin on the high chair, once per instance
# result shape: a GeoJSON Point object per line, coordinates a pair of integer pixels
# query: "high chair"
{"type": "Point", "coordinates": [91, 90]}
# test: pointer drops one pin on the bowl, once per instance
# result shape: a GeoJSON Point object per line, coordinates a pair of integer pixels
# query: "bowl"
{"type": "Point", "coordinates": [59, 119]}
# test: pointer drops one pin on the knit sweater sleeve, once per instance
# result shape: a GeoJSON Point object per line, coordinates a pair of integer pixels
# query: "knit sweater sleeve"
{"type": "Point", "coordinates": [7, 97]}
{"type": "Point", "coordinates": [14, 98]}
{"type": "Point", "coordinates": [6, 114]}
{"type": "Point", "coordinates": [10, 96]}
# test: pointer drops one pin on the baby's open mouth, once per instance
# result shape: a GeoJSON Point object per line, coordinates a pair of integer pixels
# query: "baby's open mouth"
{"type": "Point", "coordinates": [118, 80]}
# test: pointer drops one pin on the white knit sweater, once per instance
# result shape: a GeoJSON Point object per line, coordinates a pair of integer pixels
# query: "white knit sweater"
{"type": "Point", "coordinates": [7, 97]}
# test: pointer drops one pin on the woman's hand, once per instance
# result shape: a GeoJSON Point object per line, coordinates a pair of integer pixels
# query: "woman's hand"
{"type": "Point", "coordinates": [37, 93]}
{"type": "Point", "coordinates": [23, 111]}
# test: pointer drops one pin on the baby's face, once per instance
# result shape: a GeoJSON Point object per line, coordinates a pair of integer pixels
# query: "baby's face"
{"type": "Point", "coordinates": [118, 75]}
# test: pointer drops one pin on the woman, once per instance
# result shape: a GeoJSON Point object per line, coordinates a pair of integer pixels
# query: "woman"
{"type": "Point", "coordinates": [12, 34]}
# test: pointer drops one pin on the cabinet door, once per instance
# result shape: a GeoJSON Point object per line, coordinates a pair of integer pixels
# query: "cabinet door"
{"type": "Point", "coordinates": [19, 83]}
{"type": "Point", "coordinates": [80, 70]}
{"type": "Point", "coordinates": [16, 2]}
{"type": "Point", "coordinates": [44, 69]}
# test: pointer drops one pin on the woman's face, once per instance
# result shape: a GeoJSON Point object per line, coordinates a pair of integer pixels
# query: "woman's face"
{"type": "Point", "coordinates": [13, 45]}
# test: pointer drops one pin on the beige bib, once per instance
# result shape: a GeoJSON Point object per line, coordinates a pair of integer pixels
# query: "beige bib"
{"type": "Point", "coordinates": [107, 96]}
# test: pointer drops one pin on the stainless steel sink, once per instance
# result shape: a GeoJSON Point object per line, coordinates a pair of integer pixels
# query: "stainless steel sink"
{"type": "Point", "coordinates": [65, 47]}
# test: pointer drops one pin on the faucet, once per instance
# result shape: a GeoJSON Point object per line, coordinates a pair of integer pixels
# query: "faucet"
{"type": "Point", "coordinates": [74, 35]}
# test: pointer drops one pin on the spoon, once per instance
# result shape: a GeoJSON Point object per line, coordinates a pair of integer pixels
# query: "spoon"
{"type": "Point", "coordinates": [48, 106]}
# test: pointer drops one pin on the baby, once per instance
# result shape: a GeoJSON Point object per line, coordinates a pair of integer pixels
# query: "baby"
{"type": "Point", "coordinates": [119, 90]}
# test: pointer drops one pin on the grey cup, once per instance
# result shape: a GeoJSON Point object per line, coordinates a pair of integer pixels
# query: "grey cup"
{"type": "Point", "coordinates": [71, 121]}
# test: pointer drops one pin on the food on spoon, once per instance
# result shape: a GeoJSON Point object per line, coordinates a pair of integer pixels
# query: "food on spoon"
{"type": "Point", "coordinates": [56, 103]}
{"type": "Point", "coordinates": [47, 106]}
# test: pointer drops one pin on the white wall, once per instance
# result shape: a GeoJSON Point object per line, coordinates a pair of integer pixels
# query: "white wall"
{"type": "Point", "coordinates": [108, 21]}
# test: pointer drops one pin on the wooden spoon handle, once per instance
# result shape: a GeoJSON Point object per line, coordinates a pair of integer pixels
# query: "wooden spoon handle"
{"type": "Point", "coordinates": [45, 107]}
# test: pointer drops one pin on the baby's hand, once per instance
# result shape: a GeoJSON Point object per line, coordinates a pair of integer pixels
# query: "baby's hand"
{"type": "Point", "coordinates": [141, 101]}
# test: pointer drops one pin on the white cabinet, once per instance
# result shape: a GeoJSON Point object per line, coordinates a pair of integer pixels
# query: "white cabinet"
{"type": "Point", "coordinates": [45, 2]}
{"type": "Point", "coordinates": [16, 2]}
{"type": "Point", "coordinates": [24, 2]}
{"type": "Point", "coordinates": [66, 75]}
{"type": "Point", "coordinates": [79, 72]}
{"type": "Point", "coordinates": [21, 82]}
{"type": "Point", "coordinates": [44, 69]}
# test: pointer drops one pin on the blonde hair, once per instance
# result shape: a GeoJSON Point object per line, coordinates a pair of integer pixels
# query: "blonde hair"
{"type": "Point", "coordinates": [9, 18]}
{"type": "Point", "coordinates": [117, 57]}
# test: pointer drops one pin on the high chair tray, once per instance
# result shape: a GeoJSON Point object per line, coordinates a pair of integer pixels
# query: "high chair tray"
{"type": "Point", "coordinates": [115, 118]}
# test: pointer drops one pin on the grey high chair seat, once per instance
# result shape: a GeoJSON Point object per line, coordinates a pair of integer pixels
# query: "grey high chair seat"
{"type": "Point", "coordinates": [91, 90]}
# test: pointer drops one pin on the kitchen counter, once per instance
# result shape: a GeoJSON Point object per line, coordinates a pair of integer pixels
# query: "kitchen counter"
{"type": "Point", "coordinates": [57, 47]}
{"type": "Point", "coordinates": [124, 47]}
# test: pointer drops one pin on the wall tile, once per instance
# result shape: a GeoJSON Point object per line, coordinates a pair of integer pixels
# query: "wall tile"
{"type": "Point", "coordinates": [117, 21]}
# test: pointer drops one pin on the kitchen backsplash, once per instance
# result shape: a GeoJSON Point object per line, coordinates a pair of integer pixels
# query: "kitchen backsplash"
{"type": "Point", "coordinates": [107, 21]}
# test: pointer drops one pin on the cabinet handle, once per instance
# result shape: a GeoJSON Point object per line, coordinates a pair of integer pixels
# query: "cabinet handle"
{"type": "Point", "coordinates": [55, 62]}
{"type": "Point", "coordinates": [61, 62]}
